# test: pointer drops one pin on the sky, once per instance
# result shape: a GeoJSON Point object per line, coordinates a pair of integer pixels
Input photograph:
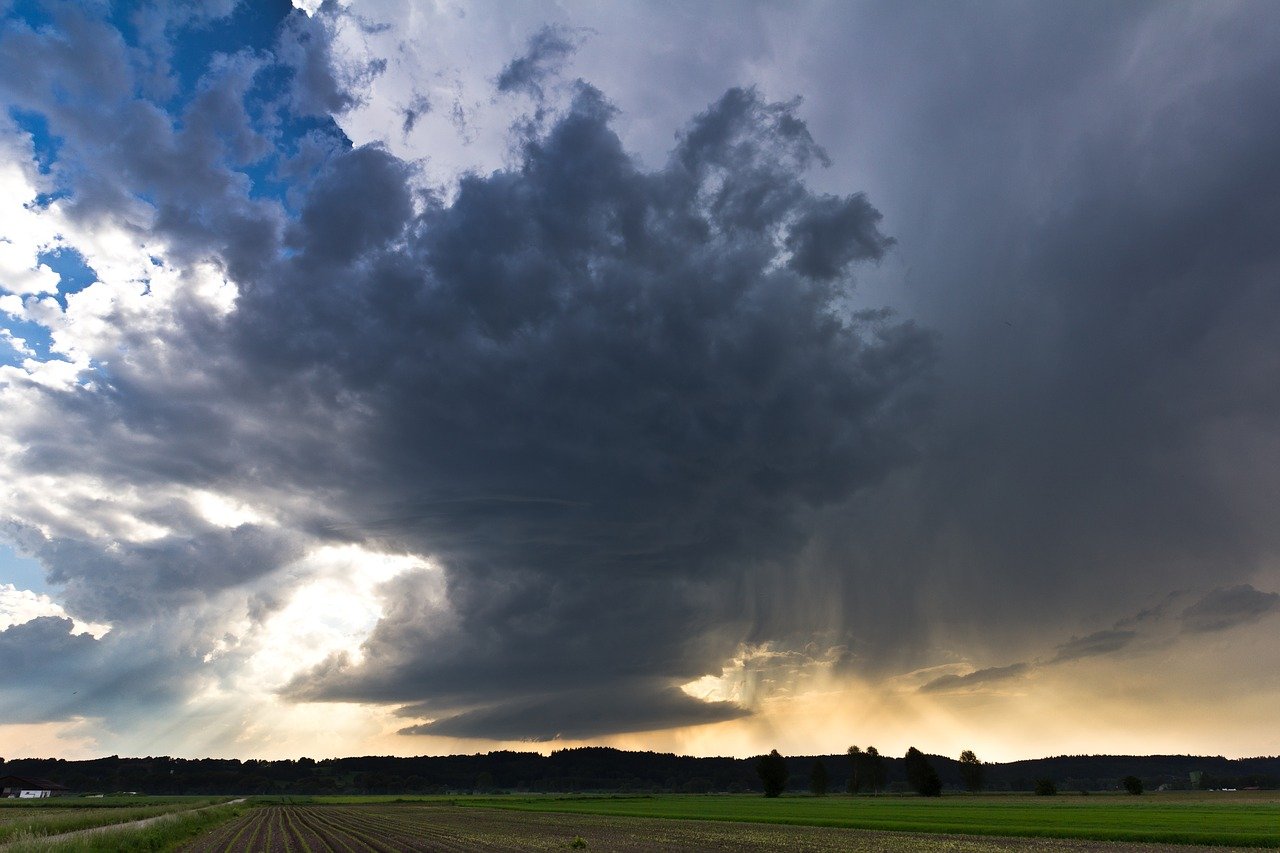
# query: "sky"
{"type": "Point", "coordinates": [399, 378]}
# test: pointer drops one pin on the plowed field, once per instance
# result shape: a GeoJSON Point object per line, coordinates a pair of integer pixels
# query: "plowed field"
{"type": "Point", "coordinates": [394, 828]}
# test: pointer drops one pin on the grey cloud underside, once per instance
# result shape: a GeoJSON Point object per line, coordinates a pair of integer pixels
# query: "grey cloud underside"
{"type": "Point", "coordinates": [977, 678]}
{"type": "Point", "coordinates": [151, 579]}
{"type": "Point", "coordinates": [1097, 643]}
{"type": "Point", "coordinates": [1219, 609]}
{"type": "Point", "coordinates": [51, 673]}
{"type": "Point", "coordinates": [579, 714]}
{"type": "Point", "coordinates": [548, 50]}
{"type": "Point", "coordinates": [1225, 608]}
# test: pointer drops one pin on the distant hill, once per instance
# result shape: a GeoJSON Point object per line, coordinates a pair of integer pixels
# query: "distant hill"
{"type": "Point", "coordinates": [604, 769]}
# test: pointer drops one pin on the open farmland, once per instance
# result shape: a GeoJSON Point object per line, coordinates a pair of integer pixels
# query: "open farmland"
{"type": "Point", "coordinates": [1245, 818]}
{"type": "Point", "coordinates": [444, 826]}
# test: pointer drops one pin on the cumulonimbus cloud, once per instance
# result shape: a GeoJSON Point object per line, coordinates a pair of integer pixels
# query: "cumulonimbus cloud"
{"type": "Point", "coordinates": [597, 395]}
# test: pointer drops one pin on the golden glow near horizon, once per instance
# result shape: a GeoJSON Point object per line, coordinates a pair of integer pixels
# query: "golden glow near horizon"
{"type": "Point", "coordinates": [1180, 697]}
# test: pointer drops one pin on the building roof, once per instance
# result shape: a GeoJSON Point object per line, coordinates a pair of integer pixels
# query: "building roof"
{"type": "Point", "coordinates": [26, 783]}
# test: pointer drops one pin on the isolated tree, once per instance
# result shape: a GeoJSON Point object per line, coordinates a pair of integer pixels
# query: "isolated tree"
{"type": "Point", "coordinates": [856, 762]}
{"type": "Point", "coordinates": [818, 779]}
{"type": "Point", "coordinates": [920, 774]}
{"type": "Point", "coordinates": [877, 773]}
{"type": "Point", "coordinates": [1132, 784]}
{"type": "Point", "coordinates": [1046, 788]}
{"type": "Point", "coordinates": [971, 771]}
{"type": "Point", "coordinates": [773, 773]}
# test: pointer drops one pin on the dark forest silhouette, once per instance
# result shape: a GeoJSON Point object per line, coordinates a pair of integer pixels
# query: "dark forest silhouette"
{"type": "Point", "coordinates": [604, 769]}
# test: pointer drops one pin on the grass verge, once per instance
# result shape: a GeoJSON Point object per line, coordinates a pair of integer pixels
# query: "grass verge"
{"type": "Point", "coordinates": [41, 822]}
{"type": "Point", "coordinates": [166, 833]}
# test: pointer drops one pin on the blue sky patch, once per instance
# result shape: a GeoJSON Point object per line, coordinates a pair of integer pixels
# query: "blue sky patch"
{"type": "Point", "coordinates": [22, 572]}
{"type": "Point", "coordinates": [45, 143]}
{"type": "Point", "coordinates": [69, 264]}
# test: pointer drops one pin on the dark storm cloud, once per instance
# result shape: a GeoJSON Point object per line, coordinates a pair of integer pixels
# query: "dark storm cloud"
{"type": "Point", "coordinates": [832, 232]}
{"type": "Point", "coordinates": [600, 400]}
{"type": "Point", "coordinates": [605, 399]}
{"type": "Point", "coordinates": [977, 678]}
{"type": "Point", "coordinates": [1097, 643]}
{"type": "Point", "coordinates": [548, 50]}
{"type": "Point", "coordinates": [579, 714]}
{"type": "Point", "coordinates": [359, 201]}
{"type": "Point", "coordinates": [1228, 607]}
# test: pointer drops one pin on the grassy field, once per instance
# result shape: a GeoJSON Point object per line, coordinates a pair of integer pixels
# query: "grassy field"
{"type": "Point", "coordinates": [1241, 819]}
{"type": "Point", "coordinates": [163, 833]}
{"type": "Point", "coordinates": [8, 805]}
{"type": "Point", "coordinates": [35, 818]}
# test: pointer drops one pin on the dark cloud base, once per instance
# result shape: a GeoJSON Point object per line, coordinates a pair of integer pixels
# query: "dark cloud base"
{"type": "Point", "coordinates": [579, 715]}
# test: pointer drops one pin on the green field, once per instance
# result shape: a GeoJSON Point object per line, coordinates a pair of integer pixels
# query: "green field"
{"type": "Point", "coordinates": [1240, 819]}
{"type": "Point", "coordinates": [28, 819]}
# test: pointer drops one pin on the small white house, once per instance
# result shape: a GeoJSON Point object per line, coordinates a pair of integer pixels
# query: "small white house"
{"type": "Point", "coordinates": [25, 788]}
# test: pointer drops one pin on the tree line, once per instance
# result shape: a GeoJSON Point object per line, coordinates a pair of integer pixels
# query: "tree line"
{"type": "Point", "coordinates": [590, 769]}
{"type": "Point", "coordinates": [868, 773]}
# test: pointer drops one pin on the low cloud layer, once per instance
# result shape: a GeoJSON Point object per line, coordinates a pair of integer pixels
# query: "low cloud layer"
{"type": "Point", "coordinates": [579, 714]}
{"type": "Point", "coordinates": [1098, 643]}
{"type": "Point", "coordinates": [1227, 608]}
{"type": "Point", "coordinates": [973, 679]}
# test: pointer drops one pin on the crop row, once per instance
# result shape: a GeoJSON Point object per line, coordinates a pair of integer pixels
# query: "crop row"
{"type": "Point", "coordinates": [329, 829]}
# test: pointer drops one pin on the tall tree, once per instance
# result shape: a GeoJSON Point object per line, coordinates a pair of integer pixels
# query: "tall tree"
{"type": "Point", "coordinates": [773, 773]}
{"type": "Point", "coordinates": [856, 770]}
{"type": "Point", "coordinates": [971, 771]}
{"type": "Point", "coordinates": [1132, 784]}
{"type": "Point", "coordinates": [920, 774]}
{"type": "Point", "coordinates": [818, 779]}
{"type": "Point", "coordinates": [877, 773]}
